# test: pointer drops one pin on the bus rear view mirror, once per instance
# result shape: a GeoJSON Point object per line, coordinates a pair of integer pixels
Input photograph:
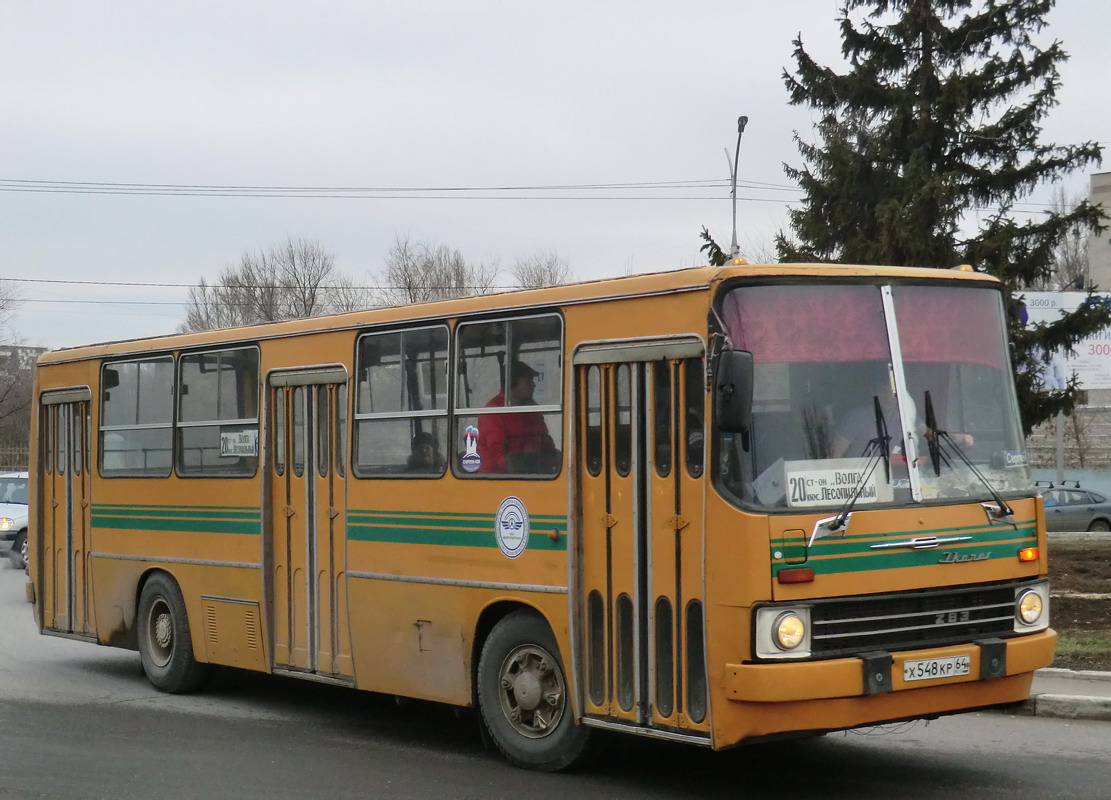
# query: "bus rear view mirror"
{"type": "Point", "coordinates": [733, 390]}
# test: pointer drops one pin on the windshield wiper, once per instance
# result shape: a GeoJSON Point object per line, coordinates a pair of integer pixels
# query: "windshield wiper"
{"type": "Point", "coordinates": [933, 443]}
{"type": "Point", "coordinates": [1000, 512]}
{"type": "Point", "coordinates": [877, 448]}
{"type": "Point", "coordinates": [882, 442]}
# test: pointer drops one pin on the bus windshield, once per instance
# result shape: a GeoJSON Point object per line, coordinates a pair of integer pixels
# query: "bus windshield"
{"type": "Point", "coordinates": [891, 394]}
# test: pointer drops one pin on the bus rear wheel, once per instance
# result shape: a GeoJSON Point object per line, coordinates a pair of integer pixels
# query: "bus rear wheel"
{"type": "Point", "coordinates": [165, 645]}
{"type": "Point", "coordinates": [523, 696]}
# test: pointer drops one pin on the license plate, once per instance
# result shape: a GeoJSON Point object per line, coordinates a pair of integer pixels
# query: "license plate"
{"type": "Point", "coordinates": [927, 669]}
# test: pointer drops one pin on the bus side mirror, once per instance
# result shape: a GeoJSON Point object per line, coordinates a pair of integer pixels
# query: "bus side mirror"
{"type": "Point", "coordinates": [733, 390]}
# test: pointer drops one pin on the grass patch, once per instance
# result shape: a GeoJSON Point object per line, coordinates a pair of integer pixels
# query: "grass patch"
{"type": "Point", "coordinates": [1088, 650]}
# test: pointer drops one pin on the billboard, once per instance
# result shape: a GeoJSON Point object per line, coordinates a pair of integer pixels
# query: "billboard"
{"type": "Point", "coordinates": [1091, 359]}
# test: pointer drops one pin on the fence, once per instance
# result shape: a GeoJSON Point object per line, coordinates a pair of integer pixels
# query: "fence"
{"type": "Point", "coordinates": [13, 459]}
{"type": "Point", "coordinates": [1087, 435]}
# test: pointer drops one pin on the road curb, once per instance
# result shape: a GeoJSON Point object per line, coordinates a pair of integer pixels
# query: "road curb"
{"type": "Point", "coordinates": [1069, 706]}
{"type": "Point", "coordinates": [1077, 674]}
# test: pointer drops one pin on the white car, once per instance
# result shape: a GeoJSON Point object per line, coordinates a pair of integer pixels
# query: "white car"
{"type": "Point", "coordinates": [13, 517]}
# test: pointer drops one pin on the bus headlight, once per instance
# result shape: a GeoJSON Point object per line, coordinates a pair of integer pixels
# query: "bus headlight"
{"type": "Point", "coordinates": [790, 631]}
{"type": "Point", "coordinates": [1032, 607]}
{"type": "Point", "coordinates": [1029, 607]}
{"type": "Point", "coordinates": [782, 632]}
{"type": "Point", "coordinates": [6, 523]}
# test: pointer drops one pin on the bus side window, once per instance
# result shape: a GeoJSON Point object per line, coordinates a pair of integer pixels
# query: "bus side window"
{"type": "Point", "coordinates": [323, 441]}
{"type": "Point", "coordinates": [693, 400]}
{"type": "Point", "coordinates": [298, 431]}
{"type": "Point", "coordinates": [136, 419]}
{"type": "Point", "coordinates": [594, 421]}
{"type": "Point", "coordinates": [509, 397]}
{"type": "Point", "coordinates": [279, 430]}
{"type": "Point", "coordinates": [661, 407]}
{"type": "Point", "coordinates": [48, 413]}
{"type": "Point", "coordinates": [623, 420]}
{"type": "Point", "coordinates": [217, 427]}
{"type": "Point", "coordinates": [401, 404]}
{"type": "Point", "coordinates": [340, 445]}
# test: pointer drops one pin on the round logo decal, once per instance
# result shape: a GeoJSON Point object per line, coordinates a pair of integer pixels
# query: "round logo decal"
{"type": "Point", "coordinates": [511, 527]}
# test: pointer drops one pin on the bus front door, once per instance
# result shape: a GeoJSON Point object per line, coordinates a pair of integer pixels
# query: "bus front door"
{"type": "Point", "coordinates": [307, 553]}
{"type": "Point", "coordinates": [641, 640]}
{"type": "Point", "coordinates": [64, 514]}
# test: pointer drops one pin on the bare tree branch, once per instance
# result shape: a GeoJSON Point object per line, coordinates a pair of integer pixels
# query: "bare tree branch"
{"type": "Point", "coordinates": [16, 372]}
{"type": "Point", "coordinates": [293, 280]}
{"type": "Point", "coordinates": [10, 298]}
{"type": "Point", "coordinates": [421, 273]}
{"type": "Point", "coordinates": [540, 270]}
{"type": "Point", "coordinates": [1069, 269]}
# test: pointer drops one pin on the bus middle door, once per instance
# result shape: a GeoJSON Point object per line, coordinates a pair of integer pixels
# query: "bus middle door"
{"type": "Point", "coordinates": [307, 565]}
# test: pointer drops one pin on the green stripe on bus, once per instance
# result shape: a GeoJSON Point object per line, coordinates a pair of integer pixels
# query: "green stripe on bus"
{"type": "Point", "coordinates": [865, 546]}
{"type": "Point", "coordinates": [128, 523]}
{"type": "Point", "coordinates": [919, 558]}
{"type": "Point", "coordinates": [444, 537]}
{"type": "Point", "coordinates": [451, 516]}
{"type": "Point", "coordinates": [843, 560]}
{"type": "Point", "coordinates": [169, 513]}
{"type": "Point", "coordinates": [126, 506]}
{"type": "Point", "coordinates": [447, 522]}
{"type": "Point", "coordinates": [996, 532]}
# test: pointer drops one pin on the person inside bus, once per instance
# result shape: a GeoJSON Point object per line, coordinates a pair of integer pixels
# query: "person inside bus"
{"type": "Point", "coordinates": [424, 456]}
{"type": "Point", "coordinates": [516, 444]}
{"type": "Point", "coordinates": [858, 427]}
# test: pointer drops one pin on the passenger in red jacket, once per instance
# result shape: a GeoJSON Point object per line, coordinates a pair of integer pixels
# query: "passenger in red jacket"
{"type": "Point", "coordinates": [516, 443]}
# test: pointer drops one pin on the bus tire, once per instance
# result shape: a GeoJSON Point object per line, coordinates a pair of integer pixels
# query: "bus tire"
{"type": "Point", "coordinates": [524, 699]}
{"type": "Point", "coordinates": [165, 644]}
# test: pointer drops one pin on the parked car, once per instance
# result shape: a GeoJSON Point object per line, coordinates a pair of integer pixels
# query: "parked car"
{"type": "Point", "coordinates": [13, 517]}
{"type": "Point", "coordinates": [1075, 509]}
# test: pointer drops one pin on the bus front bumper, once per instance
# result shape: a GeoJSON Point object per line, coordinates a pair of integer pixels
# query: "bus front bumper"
{"type": "Point", "coordinates": [880, 673]}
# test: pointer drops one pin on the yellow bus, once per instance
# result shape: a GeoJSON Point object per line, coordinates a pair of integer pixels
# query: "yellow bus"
{"type": "Point", "coordinates": [712, 506]}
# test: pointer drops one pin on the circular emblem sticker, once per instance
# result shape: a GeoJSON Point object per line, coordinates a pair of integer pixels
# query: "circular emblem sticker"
{"type": "Point", "coordinates": [511, 527]}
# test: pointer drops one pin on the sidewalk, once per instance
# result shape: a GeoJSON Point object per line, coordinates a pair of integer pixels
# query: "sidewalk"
{"type": "Point", "coordinates": [1070, 694]}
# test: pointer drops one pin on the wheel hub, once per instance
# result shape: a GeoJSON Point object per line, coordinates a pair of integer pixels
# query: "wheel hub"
{"type": "Point", "coordinates": [163, 633]}
{"type": "Point", "coordinates": [526, 690]}
{"type": "Point", "coordinates": [533, 697]}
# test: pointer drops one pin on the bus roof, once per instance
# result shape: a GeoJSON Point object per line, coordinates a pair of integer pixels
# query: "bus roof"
{"type": "Point", "coordinates": [691, 279]}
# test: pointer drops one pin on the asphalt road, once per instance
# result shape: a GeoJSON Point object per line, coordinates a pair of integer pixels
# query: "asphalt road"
{"type": "Point", "coordinates": [80, 721]}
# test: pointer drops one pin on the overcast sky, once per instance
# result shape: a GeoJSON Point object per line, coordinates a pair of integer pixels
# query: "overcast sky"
{"type": "Point", "coordinates": [350, 93]}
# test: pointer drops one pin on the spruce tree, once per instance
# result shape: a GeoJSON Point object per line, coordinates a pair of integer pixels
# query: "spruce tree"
{"type": "Point", "coordinates": [926, 141]}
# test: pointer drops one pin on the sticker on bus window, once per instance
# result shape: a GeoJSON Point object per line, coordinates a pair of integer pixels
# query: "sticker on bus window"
{"type": "Point", "coordinates": [833, 481]}
{"type": "Point", "coordinates": [511, 527]}
{"type": "Point", "coordinates": [237, 444]}
{"type": "Point", "coordinates": [471, 460]}
{"type": "Point", "coordinates": [1012, 458]}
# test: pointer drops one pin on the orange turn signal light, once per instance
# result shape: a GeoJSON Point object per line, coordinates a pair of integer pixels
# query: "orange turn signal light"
{"type": "Point", "coordinates": [798, 575]}
{"type": "Point", "coordinates": [1028, 554]}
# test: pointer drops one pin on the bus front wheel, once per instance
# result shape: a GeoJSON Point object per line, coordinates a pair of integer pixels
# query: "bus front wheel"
{"type": "Point", "coordinates": [523, 696]}
{"type": "Point", "coordinates": [165, 645]}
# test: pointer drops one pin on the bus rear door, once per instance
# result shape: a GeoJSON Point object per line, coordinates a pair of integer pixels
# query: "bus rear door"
{"type": "Point", "coordinates": [63, 474]}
